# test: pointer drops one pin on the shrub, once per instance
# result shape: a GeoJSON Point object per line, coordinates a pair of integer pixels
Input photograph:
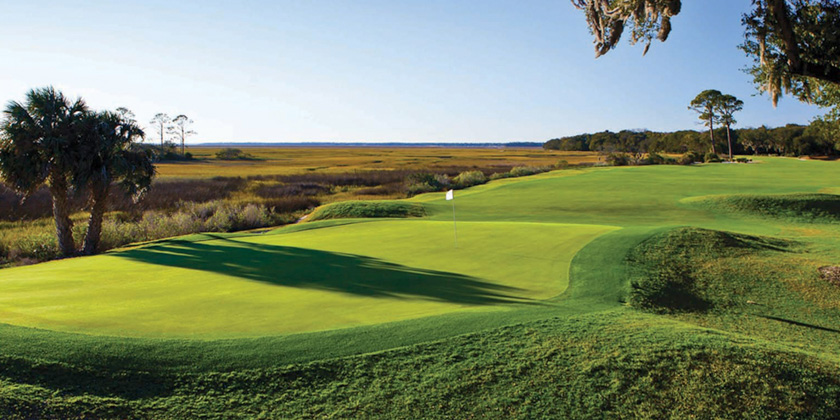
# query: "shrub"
{"type": "Point", "coordinates": [470, 178]}
{"type": "Point", "coordinates": [365, 209]}
{"type": "Point", "coordinates": [712, 158]}
{"type": "Point", "coordinates": [232, 154]}
{"type": "Point", "coordinates": [500, 175]}
{"type": "Point", "coordinates": [690, 157]}
{"type": "Point", "coordinates": [563, 164]}
{"type": "Point", "coordinates": [419, 183]}
{"type": "Point", "coordinates": [618, 159]}
{"type": "Point", "coordinates": [657, 159]}
{"type": "Point", "coordinates": [518, 171]}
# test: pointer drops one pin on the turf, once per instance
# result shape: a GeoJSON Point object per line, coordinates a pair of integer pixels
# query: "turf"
{"type": "Point", "coordinates": [213, 286]}
{"type": "Point", "coordinates": [530, 316]}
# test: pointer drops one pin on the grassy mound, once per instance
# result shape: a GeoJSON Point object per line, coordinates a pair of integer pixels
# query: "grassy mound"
{"type": "Point", "coordinates": [614, 364]}
{"type": "Point", "coordinates": [368, 209]}
{"type": "Point", "coordinates": [807, 208]}
{"type": "Point", "coordinates": [668, 265]}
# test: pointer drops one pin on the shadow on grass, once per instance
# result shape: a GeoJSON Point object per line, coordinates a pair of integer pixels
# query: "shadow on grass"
{"type": "Point", "coordinates": [800, 324]}
{"type": "Point", "coordinates": [312, 269]}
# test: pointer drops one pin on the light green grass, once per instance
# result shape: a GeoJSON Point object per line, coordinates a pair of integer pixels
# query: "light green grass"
{"type": "Point", "coordinates": [214, 286]}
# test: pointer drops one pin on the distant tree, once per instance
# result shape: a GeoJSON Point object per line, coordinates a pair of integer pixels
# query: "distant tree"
{"type": "Point", "coordinates": [180, 129]}
{"type": "Point", "coordinates": [232, 154]}
{"type": "Point", "coordinates": [826, 134]}
{"type": "Point", "coordinates": [756, 139]}
{"type": "Point", "coordinates": [110, 156]}
{"type": "Point", "coordinates": [40, 144]}
{"type": "Point", "coordinates": [728, 105]}
{"type": "Point", "coordinates": [163, 125]}
{"type": "Point", "coordinates": [127, 115]}
{"type": "Point", "coordinates": [707, 104]}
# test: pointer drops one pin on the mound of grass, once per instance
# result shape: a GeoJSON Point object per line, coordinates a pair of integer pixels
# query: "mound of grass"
{"type": "Point", "coordinates": [617, 364]}
{"type": "Point", "coordinates": [668, 266]}
{"type": "Point", "coordinates": [751, 285]}
{"type": "Point", "coordinates": [807, 208]}
{"type": "Point", "coordinates": [368, 209]}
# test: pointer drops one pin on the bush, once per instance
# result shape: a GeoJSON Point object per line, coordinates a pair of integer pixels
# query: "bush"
{"type": "Point", "coordinates": [690, 157]}
{"type": "Point", "coordinates": [419, 183]}
{"type": "Point", "coordinates": [657, 159]}
{"type": "Point", "coordinates": [618, 159]}
{"type": "Point", "coordinates": [500, 175]}
{"type": "Point", "coordinates": [232, 154]}
{"type": "Point", "coordinates": [470, 178]}
{"type": "Point", "coordinates": [563, 164]}
{"type": "Point", "coordinates": [712, 158]}
{"type": "Point", "coordinates": [527, 170]}
{"type": "Point", "coordinates": [365, 209]}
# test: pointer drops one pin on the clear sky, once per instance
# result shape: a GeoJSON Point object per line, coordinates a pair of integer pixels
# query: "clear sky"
{"type": "Point", "coordinates": [377, 70]}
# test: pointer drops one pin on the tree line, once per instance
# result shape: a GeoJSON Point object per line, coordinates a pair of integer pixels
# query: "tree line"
{"type": "Point", "coordinates": [49, 139]}
{"type": "Point", "coordinates": [789, 140]}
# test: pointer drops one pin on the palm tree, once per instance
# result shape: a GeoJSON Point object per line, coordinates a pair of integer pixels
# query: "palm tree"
{"type": "Point", "coordinates": [111, 156]}
{"type": "Point", "coordinates": [39, 145]}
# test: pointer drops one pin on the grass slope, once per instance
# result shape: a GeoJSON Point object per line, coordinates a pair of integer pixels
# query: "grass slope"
{"type": "Point", "coordinates": [762, 347]}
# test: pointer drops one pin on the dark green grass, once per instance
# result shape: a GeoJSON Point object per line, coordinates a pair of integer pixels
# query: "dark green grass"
{"type": "Point", "coordinates": [368, 209]}
{"type": "Point", "coordinates": [636, 365]}
{"type": "Point", "coordinates": [761, 286]}
{"type": "Point", "coordinates": [803, 208]}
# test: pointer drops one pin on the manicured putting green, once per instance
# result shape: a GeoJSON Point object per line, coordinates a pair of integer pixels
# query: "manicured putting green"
{"type": "Point", "coordinates": [224, 286]}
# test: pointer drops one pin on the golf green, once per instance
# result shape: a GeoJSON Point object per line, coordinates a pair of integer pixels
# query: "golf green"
{"type": "Point", "coordinates": [224, 286]}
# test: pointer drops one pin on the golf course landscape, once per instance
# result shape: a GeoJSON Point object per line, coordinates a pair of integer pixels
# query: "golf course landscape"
{"type": "Point", "coordinates": [649, 291]}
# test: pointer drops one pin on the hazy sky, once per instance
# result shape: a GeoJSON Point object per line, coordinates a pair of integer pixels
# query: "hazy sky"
{"type": "Point", "coordinates": [389, 70]}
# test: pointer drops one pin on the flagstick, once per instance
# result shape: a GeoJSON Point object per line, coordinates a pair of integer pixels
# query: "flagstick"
{"type": "Point", "coordinates": [454, 223]}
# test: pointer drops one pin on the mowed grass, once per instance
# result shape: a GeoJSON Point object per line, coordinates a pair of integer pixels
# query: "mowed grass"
{"type": "Point", "coordinates": [218, 286]}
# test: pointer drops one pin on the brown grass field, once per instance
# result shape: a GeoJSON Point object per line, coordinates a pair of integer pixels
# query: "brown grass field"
{"type": "Point", "coordinates": [277, 185]}
{"type": "Point", "coordinates": [298, 160]}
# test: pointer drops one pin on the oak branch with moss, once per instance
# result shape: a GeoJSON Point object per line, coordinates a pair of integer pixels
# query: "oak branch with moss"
{"type": "Point", "coordinates": [794, 43]}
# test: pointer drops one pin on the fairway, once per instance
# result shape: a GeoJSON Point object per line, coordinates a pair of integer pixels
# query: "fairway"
{"type": "Point", "coordinates": [516, 241]}
{"type": "Point", "coordinates": [222, 286]}
{"type": "Point", "coordinates": [548, 253]}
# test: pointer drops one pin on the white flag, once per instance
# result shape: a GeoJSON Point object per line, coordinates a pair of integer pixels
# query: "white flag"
{"type": "Point", "coordinates": [450, 195]}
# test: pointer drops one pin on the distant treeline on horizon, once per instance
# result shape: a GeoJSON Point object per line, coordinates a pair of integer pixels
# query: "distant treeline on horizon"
{"type": "Point", "coordinates": [791, 139]}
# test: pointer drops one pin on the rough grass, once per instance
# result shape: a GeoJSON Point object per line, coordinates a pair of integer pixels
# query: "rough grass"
{"type": "Point", "coordinates": [368, 209]}
{"type": "Point", "coordinates": [759, 286]}
{"type": "Point", "coordinates": [299, 160]}
{"type": "Point", "coordinates": [805, 208]}
{"type": "Point", "coordinates": [637, 366]}
{"type": "Point", "coordinates": [668, 268]}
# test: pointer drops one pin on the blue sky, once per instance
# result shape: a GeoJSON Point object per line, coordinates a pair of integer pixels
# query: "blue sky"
{"type": "Point", "coordinates": [389, 70]}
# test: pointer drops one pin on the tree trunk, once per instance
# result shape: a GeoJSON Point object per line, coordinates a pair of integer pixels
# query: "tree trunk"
{"type": "Point", "coordinates": [61, 214]}
{"type": "Point", "coordinates": [729, 139]}
{"type": "Point", "coordinates": [712, 133]}
{"type": "Point", "coordinates": [98, 202]}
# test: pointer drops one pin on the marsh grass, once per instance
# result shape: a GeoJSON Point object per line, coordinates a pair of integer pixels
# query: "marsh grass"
{"type": "Point", "coordinates": [249, 200]}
